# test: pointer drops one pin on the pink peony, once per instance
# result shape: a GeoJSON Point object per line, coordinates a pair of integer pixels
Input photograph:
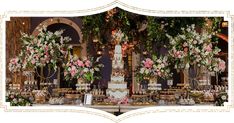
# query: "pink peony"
{"type": "Point", "coordinates": [148, 63]}
{"type": "Point", "coordinates": [87, 63]}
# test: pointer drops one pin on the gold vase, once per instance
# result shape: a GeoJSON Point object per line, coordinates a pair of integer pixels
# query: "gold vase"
{"type": "Point", "coordinates": [153, 79]}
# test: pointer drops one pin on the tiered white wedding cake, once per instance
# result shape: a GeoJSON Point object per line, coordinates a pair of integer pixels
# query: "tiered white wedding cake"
{"type": "Point", "coordinates": [117, 88]}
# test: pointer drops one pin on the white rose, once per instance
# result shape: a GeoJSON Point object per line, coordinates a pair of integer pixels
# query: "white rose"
{"type": "Point", "coordinates": [223, 97]}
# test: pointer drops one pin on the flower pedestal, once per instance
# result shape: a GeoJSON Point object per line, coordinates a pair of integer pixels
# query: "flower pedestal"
{"type": "Point", "coordinates": [144, 84]}
{"type": "Point", "coordinates": [46, 75]}
{"type": "Point", "coordinates": [196, 77]}
{"type": "Point", "coordinates": [184, 75]}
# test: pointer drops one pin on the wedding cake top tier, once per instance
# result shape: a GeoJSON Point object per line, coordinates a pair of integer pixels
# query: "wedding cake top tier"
{"type": "Point", "coordinates": [117, 62]}
{"type": "Point", "coordinates": [118, 49]}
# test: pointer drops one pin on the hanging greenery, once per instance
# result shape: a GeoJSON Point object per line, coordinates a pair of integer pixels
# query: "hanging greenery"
{"type": "Point", "coordinates": [148, 31]}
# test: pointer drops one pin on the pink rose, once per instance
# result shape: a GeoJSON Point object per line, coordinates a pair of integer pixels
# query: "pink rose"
{"type": "Point", "coordinates": [33, 61]}
{"type": "Point", "coordinates": [73, 71]}
{"type": "Point", "coordinates": [209, 48]}
{"type": "Point", "coordinates": [80, 63]}
{"type": "Point", "coordinates": [87, 63]}
{"type": "Point", "coordinates": [148, 63]}
{"type": "Point", "coordinates": [14, 61]}
{"type": "Point", "coordinates": [46, 53]}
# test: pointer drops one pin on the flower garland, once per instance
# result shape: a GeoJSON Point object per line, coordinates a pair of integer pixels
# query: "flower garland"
{"type": "Point", "coordinates": [193, 48]}
{"type": "Point", "coordinates": [81, 68]}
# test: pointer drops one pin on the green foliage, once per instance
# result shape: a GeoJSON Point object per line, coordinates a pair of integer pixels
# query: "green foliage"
{"type": "Point", "coordinates": [153, 35]}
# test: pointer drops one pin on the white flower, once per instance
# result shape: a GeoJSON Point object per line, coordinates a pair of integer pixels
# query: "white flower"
{"type": "Point", "coordinates": [92, 71]}
{"type": "Point", "coordinates": [195, 42]}
{"type": "Point", "coordinates": [96, 69]}
{"type": "Point", "coordinates": [142, 70]}
{"type": "Point", "coordinates": [223, 97]}
{"type": "Point", "coordinates": [15, 100]}
{"type": "Point", "coordinates": [147, 71]}
{"type": "Point", "coordinates": [188, 29]}
{"type": "Point", "coordinates": [163, 65]}
{"type": "Point", "coordinates": [86, 70]}
{"type": "Point", "coordinates": [187, 66]}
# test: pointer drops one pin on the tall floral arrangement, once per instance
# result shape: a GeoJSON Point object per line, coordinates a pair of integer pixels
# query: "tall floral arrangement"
{"type": "Point", "coordinates": [77, 68]}
{"type": "Point", "coordinates": [46, 48]}
{"type": "Point", "coordinates": [156, 67]}
{"type": "Point", "coordinates": [193, 48]}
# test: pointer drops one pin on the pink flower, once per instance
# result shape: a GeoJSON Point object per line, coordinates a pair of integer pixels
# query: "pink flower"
{"type": "Point", "coordinates": [65, 73]}
{"type": "Point", "coordinates": [159, 73]}
{"type": "Point", "coordinates": [33, 61]}
{"type": "Point", "coordinates": [186, 49]}
{"type": "Point", "coordinates": [222, 65]}
{"type": "Point", "coordinates": [82, 72]}
{"type": "Point", "coordinates": [209, 48]}
{"type": "Point", "coordinates": [80, 63]}
{"type": "Point", "coordinates": [14, 61]}
{"type": "Point", "coordinates": [148, 63]}
{"type": "Point", "coordinates": [37, 56]}
{"type": "Point", "coordinates": [87, 63]}
{"type": "Point", "coordinates": [46, 48]}
{"type": "Point", "coordinates": [73, 71]}
{"type": "Point", "coordinates": [47, 54]}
